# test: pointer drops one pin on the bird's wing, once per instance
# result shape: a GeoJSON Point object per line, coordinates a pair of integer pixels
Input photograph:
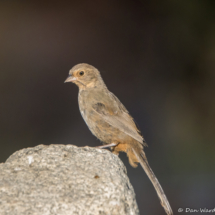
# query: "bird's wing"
{"type": "Point", "coordinates": [117, 116]}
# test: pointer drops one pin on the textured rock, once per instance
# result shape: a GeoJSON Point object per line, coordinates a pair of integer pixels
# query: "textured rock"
{"type": "Point", "coordinates": [65, 179]}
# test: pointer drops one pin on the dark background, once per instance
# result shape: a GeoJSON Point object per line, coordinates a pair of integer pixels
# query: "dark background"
{"type": "Point", "coordinates": [157, 56]}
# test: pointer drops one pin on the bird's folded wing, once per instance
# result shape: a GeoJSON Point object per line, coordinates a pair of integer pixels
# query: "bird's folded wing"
{"type": "Point", "coordinates": [118, 119]}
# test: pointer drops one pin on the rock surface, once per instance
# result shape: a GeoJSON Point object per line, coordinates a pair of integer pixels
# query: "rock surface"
{"type": "Point", "coordinates": [65, 179]}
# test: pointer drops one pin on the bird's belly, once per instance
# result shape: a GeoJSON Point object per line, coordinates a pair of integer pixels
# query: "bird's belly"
{"type": "Point", "coordinates": [101, 129]}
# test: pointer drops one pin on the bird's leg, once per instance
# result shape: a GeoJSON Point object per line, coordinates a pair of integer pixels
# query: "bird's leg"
{"type": "Point", "coordinates": [107, 146]}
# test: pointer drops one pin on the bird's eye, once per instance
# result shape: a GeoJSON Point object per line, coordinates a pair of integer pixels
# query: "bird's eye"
{"type": "Point", "coordinates": [81, 73]}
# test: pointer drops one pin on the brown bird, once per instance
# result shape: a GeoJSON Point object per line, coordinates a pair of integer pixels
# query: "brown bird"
{"type": "Point", "coordinates": [110, 122]}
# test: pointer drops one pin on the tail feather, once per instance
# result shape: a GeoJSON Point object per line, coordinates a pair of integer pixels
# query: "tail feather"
{"type": "Point", "coordinates": [144, 163]}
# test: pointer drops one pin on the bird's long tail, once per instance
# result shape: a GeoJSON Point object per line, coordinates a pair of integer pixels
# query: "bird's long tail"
{"type": "Point", "coordinates": [144, 163]}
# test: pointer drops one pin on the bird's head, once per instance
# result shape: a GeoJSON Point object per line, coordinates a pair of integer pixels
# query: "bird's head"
{"type": "Point", "coordinates": [85, 76]}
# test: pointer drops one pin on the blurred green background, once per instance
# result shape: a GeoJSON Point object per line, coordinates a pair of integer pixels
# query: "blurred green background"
{"type": "Point", "coordinates": [157, 57]}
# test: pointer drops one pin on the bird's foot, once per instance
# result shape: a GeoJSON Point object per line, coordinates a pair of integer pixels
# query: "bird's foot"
{"type": "Point", "coordinates": [106, 146]}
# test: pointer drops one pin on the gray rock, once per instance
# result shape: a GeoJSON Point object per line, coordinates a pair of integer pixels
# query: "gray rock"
{"type": "Point", "coordinates": [65, 179]}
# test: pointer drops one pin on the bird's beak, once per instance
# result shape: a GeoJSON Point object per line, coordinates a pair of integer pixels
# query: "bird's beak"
{"type": "Point", "coordinates": [70, 79]}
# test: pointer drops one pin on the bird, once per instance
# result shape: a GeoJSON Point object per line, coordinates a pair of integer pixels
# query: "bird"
{"type": "Point", "coordinates": [109, 120]}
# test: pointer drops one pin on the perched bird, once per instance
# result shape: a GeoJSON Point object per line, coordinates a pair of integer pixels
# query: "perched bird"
{"type": "Point", "coordinates": [110, 122]}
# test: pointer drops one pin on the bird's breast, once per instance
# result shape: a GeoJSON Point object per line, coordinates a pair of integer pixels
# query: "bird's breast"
{"type": "Point", "coordinates": [85, 106]}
